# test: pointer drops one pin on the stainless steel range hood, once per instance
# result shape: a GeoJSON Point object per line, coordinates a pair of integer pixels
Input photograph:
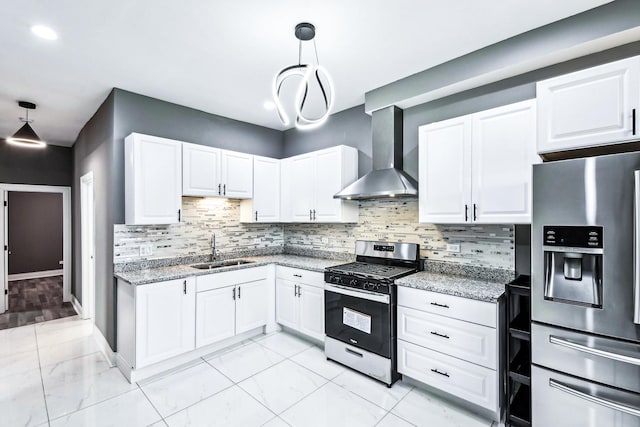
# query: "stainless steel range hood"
{"type": "Point", "coordinates": [387, 179]}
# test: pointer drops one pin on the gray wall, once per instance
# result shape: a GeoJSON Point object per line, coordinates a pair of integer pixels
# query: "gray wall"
{"type": "Point", "coordinates": [47, 166]}
{"type": "Point", "coordinates": [93, 152]}
{"type": "Point", "coordinates": [35, 231]}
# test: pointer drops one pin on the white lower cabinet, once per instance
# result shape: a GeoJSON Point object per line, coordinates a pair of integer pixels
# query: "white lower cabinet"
{"type": "Point", "coordinates": [164, 320]}
{"type": "Point", "coordinates": [452, 344]}
{"type": "Point", "coordinates": [230, 303]}
{"type": "Point", "coordinates": [300, 301]}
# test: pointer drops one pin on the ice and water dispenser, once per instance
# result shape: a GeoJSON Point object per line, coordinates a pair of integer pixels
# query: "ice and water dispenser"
{"type": "Point", "coordinates": [573, 265]}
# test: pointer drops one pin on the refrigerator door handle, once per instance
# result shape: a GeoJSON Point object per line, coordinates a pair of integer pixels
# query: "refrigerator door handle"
{"type": "Point", "coordinates": [631, 410]}
{"type": "Point", "coordinates": [636, 249]}
{"type": "Point", "coordinates": [593, 350]}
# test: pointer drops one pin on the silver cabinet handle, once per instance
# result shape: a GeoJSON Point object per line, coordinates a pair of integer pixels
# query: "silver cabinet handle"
{"type": "Point", "coordinates": [299, 291]}
{"type": "Point", "coordinates": [310, 215]}
{"type": "Point", "coordinates": [636, 249]}
{"type": "Point", "coordinates": [239, 292]}
{"type": "Point", "coordinates": [439, 305]}
{"type": "Point", "coordinates": [184, 287]}
{"type": "Point", "coordinates": [234, 293]}
{"type": "Point", "coordinates": [295, 290]}
{"type": "Point", "coordinates": [297, 275]}
{"type": "Point", "coordinates": [355, 353]}
{"type": "Point", "coordinates": [256, 215]}
{"type": "Point", "coordinates": [179, 214]}
{"type": "Point", "coordinates": [594, 399]}
{"type": "Point", "coordinates": [444, 374]}
{"type": "Point", "coordinates": [224, 189]}
{"type": "Point", "coordinates": [593, 350]}
{"type": "Point", "coordinates": [439, 334]}
{"type": "Point", "coordinates": [314, 214]}
{"type": "Point", "coordinates": [219, 189]}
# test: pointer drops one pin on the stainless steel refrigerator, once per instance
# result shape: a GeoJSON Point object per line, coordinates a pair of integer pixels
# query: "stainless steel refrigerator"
{"type": "Point", "coordinates": [585, 296]}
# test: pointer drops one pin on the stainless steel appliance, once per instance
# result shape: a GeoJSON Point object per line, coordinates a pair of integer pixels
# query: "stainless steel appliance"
{"type": "Point", "coordinates": [360, 307]}
{"type": "Point", "coordinates": [585, 294]}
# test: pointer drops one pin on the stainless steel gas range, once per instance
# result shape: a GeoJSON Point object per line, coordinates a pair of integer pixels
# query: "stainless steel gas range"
{"type": "Point", "coordinates": [360, 307]}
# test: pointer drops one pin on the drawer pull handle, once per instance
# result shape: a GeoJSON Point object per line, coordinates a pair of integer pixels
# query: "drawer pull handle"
{"type": "Point", "coordinates": [631, 410]}
{"type": "Point", "coordinates": [439, 305]}
{"type": "Point", "coordinates": [439, 335]}
{"type": "Point", "coordinates": [444, 374]}
{"type": "Point", "coordinates": [297, 275]}
{"type": "Point", "coordinates": [355, 353]}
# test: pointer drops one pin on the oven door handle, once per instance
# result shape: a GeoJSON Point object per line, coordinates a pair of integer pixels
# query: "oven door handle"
{"type": "Point", "coordinates": [574, 345]}
{"type": "Point", "coordinates": [631, 410]}
{"type": "Point", "coordinates": [357, 294]}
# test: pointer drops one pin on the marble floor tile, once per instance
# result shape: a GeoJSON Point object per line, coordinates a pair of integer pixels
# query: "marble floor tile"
{"type": "Point", "coordinates": [129, 409]}
{"type": "Point", "coordinates": [391, 420]}
{"type": "Point", "coordinates": [183, 388]}
{"type": "Point", "coordinates": [424, 409]}
{"type": "Point", "coordinates": [372, 390]}
{"type": "Point", "coordinates": [59, 333]}
{"type": "Point", "coordinates": [243, 362]}
{"type": "Point", "coordinates": [232, 407]}
{"type": "Point", "coordinates": [314, 359]}
{"type": "Point", "coordinates": [22, 400]}
{"type": "Point", "coordinates": [332, 405]}
{"type": "Point", "coordinates": [17, 340]}
{"type": "Point", "coordinates": [67, 350]}
{"type": "Point", "coordinates": [18, 363]}
{"type": "Point", "coordinates": [282, 385]}
{"type": "Point", "coordinates": [275, 422]}
{"type": "Point", "coordinates": [284, 344]}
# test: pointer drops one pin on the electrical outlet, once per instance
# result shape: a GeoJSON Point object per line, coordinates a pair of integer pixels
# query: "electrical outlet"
{"type": "Point", "coordinates": [453, 247]}
{"type": "Point", "coordinates": [257, 241]}
{"type": "Point", "coordinates": [146, 250]}
{"type": "Point", "coordinates": [325, 240]}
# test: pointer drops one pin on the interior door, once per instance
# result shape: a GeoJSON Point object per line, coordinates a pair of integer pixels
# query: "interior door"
{"type": "Point", "coordinates": [4, 299]}
{"type": "Point", "coordinates": [251, 309]}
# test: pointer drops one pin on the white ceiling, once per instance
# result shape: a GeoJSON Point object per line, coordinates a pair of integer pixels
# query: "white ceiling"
{"type": "Point", "coordinates": [221, 56]}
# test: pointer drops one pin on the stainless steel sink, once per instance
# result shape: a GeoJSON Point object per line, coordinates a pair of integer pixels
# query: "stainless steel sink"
{"type": "Point", "coordinates": [220, 264]}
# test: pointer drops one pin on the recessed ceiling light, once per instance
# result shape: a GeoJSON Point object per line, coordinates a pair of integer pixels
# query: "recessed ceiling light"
{"type": "Point", "coordinates": [269, 105]}
{"type": "Point", "coordinates": [44, 32]}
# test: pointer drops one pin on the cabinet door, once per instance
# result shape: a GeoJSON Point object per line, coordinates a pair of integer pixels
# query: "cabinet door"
{"type": "Point", "coordinates": [153, 180]}
{"type": "Point", "coordinates": [445, 171]}
{"type": "Point", "coordinates": [302, 173]}
{"type": "Point", "coordinates": [328, 181]}
{"type": "Point", "coordinates": [165, 320]}
{"type": "Point", "coordinates": [590, 107]}
{"type": "Point", "coordinates": [237, 175]}
{"type": "Point", "coordinates": [200, 170]}
{"type": "Point", "coordinates": [215, 316]}
{"type": "Point", "coordinates": [311, 311]}
{"type": "Point", "coordinates": [251, 305]}
{"type": "Point", "coordinates": [286, 303]}
{"type": "Point", "coordinates": [502, 153]}
{"type": "Point", "coordinates": [266, 189]}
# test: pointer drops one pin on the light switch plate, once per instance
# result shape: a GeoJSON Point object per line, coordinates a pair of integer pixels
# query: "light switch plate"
{"type": "Point", "coordinates": [146, 250]}
{"type": "Point", "coordinates": [453, 247]}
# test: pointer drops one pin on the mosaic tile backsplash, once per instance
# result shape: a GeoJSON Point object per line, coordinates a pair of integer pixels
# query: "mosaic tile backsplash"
{"type": "Point", "coordinates": [397, 220]}
{"type": "Point", "coordinates": [201, 217]}
{"type": "Point", "coordinates": [393, 220]}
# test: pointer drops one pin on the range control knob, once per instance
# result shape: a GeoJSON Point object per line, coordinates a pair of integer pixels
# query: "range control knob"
{"type": "Point", "coordinates": [353, 282]}
{"type": "Point", "coordinates": [335, 279]}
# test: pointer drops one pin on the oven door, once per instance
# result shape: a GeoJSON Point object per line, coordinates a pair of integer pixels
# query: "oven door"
{"type": "Point", "coordinates": [359, 318]}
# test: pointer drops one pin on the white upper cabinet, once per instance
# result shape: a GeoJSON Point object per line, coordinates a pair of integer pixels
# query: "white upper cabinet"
{"type": "Point", "coordinates": [237, 175]}
{"type": "Point", "coordinates": [208, 171]}
{"type": "Point", "coordinates": [153, 180]}
{"type": "Point", "coordinates": [200, 170]}
{"type": "Point", "coordinates": [445, 171]}
{"type": "Point", "coordinates": [477, 168]}
{"type": "Point", "coordinates": [589, 108]}
{"type": "Point", "coordinates": [502, 151]}
{"type": "Point", "coordinates": [265, 204]}
{"type": "Point", "coordinates": [310, 180]}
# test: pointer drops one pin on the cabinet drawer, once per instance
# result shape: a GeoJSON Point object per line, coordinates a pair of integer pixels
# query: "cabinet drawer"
{"type": "Point", "coordinates": [230, 278]}
{"type": "Point", "coordinates": [464, 340]}
{"type": "Point", "coordinates": [480, 312]}
{"type": "Point", "coordinates": [465, 380]}
{"type": "Point", "coordinates": [299, 275]}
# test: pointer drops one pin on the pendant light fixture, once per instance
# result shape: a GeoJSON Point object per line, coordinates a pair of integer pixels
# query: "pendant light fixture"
{"type": "Point", "coordinates": [26, 136]}
{"type": "Point", "coordinates": [308, 74]}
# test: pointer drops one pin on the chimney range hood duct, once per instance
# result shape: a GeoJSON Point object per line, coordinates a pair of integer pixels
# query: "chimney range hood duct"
{"type": "Point", "coordinates": [387, 179]}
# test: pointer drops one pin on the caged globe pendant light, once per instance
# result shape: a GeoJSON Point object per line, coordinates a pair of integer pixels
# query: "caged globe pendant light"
{"type": "Point", "coordinates": [26, 136]}
{"type": "Point", "coordinates": [309, 74]}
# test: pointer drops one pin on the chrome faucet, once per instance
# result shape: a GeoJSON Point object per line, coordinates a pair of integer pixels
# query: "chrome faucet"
{"type": "Point", "coordinates": [213, 247]}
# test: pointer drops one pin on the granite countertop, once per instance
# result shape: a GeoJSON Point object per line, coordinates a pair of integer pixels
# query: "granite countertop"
{"type": "Point", "coordinates": [150, 275]}
{"type": "Point", "coordinates": [481, 290]}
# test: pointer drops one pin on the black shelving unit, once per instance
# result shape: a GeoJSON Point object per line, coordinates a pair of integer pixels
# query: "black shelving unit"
{"type": "Point", "coordinates": [519, 352]}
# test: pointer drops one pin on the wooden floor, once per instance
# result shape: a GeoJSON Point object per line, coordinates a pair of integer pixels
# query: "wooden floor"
{"type": "Point", "coordinates": [35, 300]}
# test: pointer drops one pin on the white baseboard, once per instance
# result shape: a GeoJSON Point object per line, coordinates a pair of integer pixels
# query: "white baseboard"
{"type": "Point", "coordinates": [104, 346]}
{"type": "Point", "coordinates": [76, 305]}
{"type": "Point", "coordinates": [34, 275]}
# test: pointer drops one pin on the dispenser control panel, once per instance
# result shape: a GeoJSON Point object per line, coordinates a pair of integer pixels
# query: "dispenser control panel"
{"type": "Point", "coordinates": [574, 237]}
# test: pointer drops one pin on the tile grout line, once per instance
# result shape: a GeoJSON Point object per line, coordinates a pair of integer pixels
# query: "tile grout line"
{"type": "Point", "coordinates": [151, 403]}
{"type": "Point", "coordinates": [44, 394]}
